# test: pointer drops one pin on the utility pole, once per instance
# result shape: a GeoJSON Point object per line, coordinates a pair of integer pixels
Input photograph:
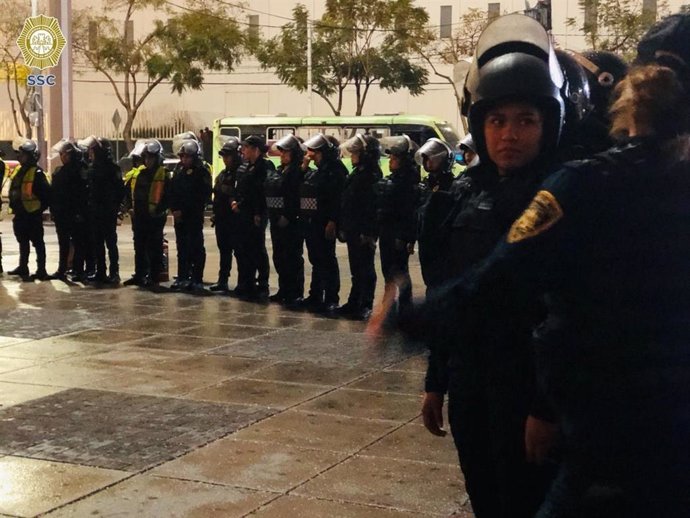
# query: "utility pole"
{"type": "Point", "coordinates": [60, 119]}
{"type": "Point", "coordinates": [37, 104]}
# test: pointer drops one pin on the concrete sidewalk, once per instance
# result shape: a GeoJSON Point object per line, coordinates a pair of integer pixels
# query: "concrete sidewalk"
{"type": "Point", "coordinates": [121, 402]}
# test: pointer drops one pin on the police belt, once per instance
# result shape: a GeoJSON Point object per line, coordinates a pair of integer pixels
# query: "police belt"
{"type": "Point", "coordinates": [275, 202]}
{"type": "Point", "coordinates": [308, 204]}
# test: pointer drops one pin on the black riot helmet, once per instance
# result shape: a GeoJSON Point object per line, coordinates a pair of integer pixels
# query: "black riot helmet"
{"type": "Point", "coordinates": [604, 70]}
{"type": "Point", "coordinates": [514, 61]}
{"type": "Point", "coordinates": [231, 146]}
{"type": "Point", "coordinates": [401, 146]}
{"type": "Point", "coordinates": [575, 90]}
{"type": "Point", "coordinates": [437, 151]}
{"type": "Point", "coordinates": [153, 148]}
{"type": "Point", "coordinates": [323, 144]}
{"type": "Point", "coordinates": [65, 145]}
{"type": "Point", "coordinates": [102, 148]}
{"type": "Point", "coordinates": [367, 146]}
{"type": "Point", "coordinates": [181, 139]}
{"type": "Point", "coordinates": [189, 148]}
{"type": "Point", "coordinates": [292, 144]}
{"type": "Point", "coordinates": [28, 150]}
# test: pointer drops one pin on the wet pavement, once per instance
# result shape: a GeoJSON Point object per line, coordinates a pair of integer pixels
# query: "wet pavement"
{"type": "Point", "coordinates": [122, 402]}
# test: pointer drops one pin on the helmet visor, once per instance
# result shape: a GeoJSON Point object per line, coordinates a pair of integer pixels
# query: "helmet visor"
{"type": "Point", "coordinates": [398, 145]}
{"type": "Point", "coordinates": [89, 142]}
{"type": "Point", "coordinates": [138, 148]}
{"type": "Point", "coordinates": [318, 142]}
{"type": "Point", "coordinates": [354, 145]}
{"type": "Point", "coordinates": [433, 149]}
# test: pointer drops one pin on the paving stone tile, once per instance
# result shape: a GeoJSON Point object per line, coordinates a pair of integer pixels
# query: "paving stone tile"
{"type": "Point", "coordinates": [11, 340]}
{"type": "Point", "coordinates": [257, 392]}
{"type": "Point", "coordinates": [353, 349]}
{"type": "Point", "coordinates": [156, 382]}
{"type": "Point", "coordinates": [221, 366]}
{"type": "Point", "coordinates": [64, 374]}
{"type": "Point", "coordinates": [309, 372]}
{"type": "Point", "coordinates": [267, 320]}
{"type": "Point", "coordinates": [51, 349]}
{"type": "Point", "coordinates": [417, 363]}
{"type": "Point", "coordinates": [31, 486]}
{"type": "Point", "coordinates": [227, 331]}
{"type": "Point", "coordinates": [302, 507]}
{"type": "Point", "coordinates": [117, 431]}
{"type": "Point", "coordinates": [129, 357]}
{"type": "Point", "coordinates": [180, 343]}
{"type": "Point", "coordinates": [333, 324]}
{"type": "Point", "coordinates": [34, 322]}
{"type": "Point", "coordinates": [318, 431]}
{"type": "Point", "coordinates": [405, 485]}
{"type": "Point", "coordinates": [13, 364]}
{"type": "Point", "coordinates": [254, 465]}
{"type": "Point", "coordinates": [154, 325]}
{"type": "Point", "coordinates": [148, 496]}
{"type": "Point", "coordinates": [367, 404]}
{"type": "Point", "coordinates": [221, 313]}
{"type": "Point", "coordinates": [414, 442]}
{"type": "Point", "coordinates": [403, 382]}
{"type": "Point", "coordinates": [108, 336]}
{"type": "Point", "coordinates": [15, 393]}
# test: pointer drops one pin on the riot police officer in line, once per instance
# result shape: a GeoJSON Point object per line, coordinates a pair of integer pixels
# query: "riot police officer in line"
{"type": "Point", "coordinates": [149, 192]}
{"type": "Point", "coordinates": [69, 209]}
{"type": "Point", "coordinates": [468, 151]}
{"type": "Point", "coordinates": [3, 172]}
{"type": "Point", "coordinates": [320, 205]}
{"type": "Point", "coordinates": [190, 187]}
{"type": "Point", "coordinates": [358, 223]}
{"type": "Point", "coordinates": [396, 215]}
{"type": "Point", "coordinates": [283, 201]}
{"type": "Point", "coordinates": [250, 206]}
{"type": "Point", "coordinates": [225, 221]}
{"type": "Point", "coordinates": [437, 158]}
{"type": "Point", "coordinates": [29, 197]}
{"type": "Point", "coordinates": [105, 194]}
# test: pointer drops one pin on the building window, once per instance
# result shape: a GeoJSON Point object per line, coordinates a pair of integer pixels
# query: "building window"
{"type": "Point", "coordinates": [254, 25]}
{"type": "Point", "coordinates": [494, 10]}
{"type": "Point", "coordinates": [446, 24]}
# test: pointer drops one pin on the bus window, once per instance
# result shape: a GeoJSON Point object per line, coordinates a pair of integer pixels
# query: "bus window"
{"type": "Point", "coordinates": [418, 133]}
{"type": "Point", "coordinates": [309, 131]}
{"type": "Point", "coordinates": [276, 133]}
{"type": "Point", "coordinates": [230, 131]}
{"type": "Point", "coordinates": [377, 132]}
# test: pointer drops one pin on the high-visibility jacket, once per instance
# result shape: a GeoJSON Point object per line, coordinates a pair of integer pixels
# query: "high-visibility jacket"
{"type": "Point", "coordinates": [156, 190]}
{"type": "Point", "coordinates": [28, 198]}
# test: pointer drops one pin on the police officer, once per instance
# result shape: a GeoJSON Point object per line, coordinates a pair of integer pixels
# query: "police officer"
{"type": "Point", "coordinates": [3, 172]}
{"type": "Point", "coordinates": [69, 208]}
{"type": "Point", "coordinates": [105, 194]}
{"type": "Point", "coordinates": [189, 189]}
{"type": "Point", "coordinates": [250, 206]}
{"type": "Point", "coordinates": [358, 223]}
{"type": "Point", "coordinates": [225, 221]}
{"type": "Point", "coordinates": [396, 217]}
{"type": "Point", "coordinates": [29, 197]}
{"type": "Point", "coordinates": [320, 205]}
{"type": "Point", "coordinates": [149, 193]}
{"type": "Point", "coordinates": [468, 151]}
{"type": "Point", "coordinates": [283, 202]}
{"type": "Point", "coordinates": [437, 158]}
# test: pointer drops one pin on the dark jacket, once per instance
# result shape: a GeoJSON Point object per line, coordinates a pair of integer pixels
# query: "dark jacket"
{"type": "Point", "coordinates": [106, 189]}
{"type": "Point", "coordinates": [224, 193]}
{"type": "Point", "coordinates": [69, 192]}
{"type": "Point", "coordinates": [250, 189]}
{"type": "Point", "coordinates": [358, 215]}
{"type": "Point", "coordinates": [282, 188]}
{"type": "Point", "coordinates": [396, 204]}
{"type": "Point", "coordinates": [189, 190]}
{"type": "Point", "coordinates": [325, 184]}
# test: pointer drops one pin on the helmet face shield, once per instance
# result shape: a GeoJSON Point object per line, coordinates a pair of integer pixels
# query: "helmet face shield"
{"type": "Point", "coordinates": [62, 146]}
{"type": "Point", "coordinates": [138, 148]}
{"type": "Point", "coordinates": [27, 147]}
{"type": "Point", "coordinates": [152, 149]}
{"type": "Point", "coordinates": [181, 139]}
{"type": "Point", "coordinates": [89, 142]}
{"type": "Point", "coordinates": [189, 148]}
{"type": "Point", "coordinates": [230, 146]}
{"type": "Point", "coordinates": [435, 150]}
{"type": "Point", "coordinates": [318, 142]}
{"type": "Point", "coordinates": [354, 145]}
{"type": "Point", "coordinates": [400, 146]}
{"type": "Point", "coordinates": [287, 143]}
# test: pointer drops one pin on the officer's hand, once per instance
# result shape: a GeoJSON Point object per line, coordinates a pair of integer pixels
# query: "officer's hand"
{"type": "Point", "coordinates": [432, 413]}
{"type": "Point", "coordinates": [177, 215]}
{"type": "Point", "coordinates": [283, 222]}
{"type": "Point", "coordinates": [235, 207]}
{"type": "Point", "coordinates": [329, 233]}
{"type": "Point", "coordinates": [540, 439]}
{"type": "Point", "coordinates": [410, 248]}
{"type": "Point", "coordinates": [257, 220]}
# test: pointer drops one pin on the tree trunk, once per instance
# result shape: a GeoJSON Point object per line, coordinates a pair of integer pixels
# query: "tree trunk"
{"type": "Point", "coordinates": [127, 130]}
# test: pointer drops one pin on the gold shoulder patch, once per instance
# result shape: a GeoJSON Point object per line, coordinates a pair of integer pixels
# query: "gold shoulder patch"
{"type": "Point", "coordinates": [543, 212]}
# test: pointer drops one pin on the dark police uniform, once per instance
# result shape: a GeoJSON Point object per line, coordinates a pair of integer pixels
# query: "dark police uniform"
{"type": "Point", "coordinates": [253, 267]}
{"type": "Point", "coordinates": [605, 239]}
{"type": "Point", "coordinates": [358, 229]}
{"type": "Point", "coordinates": [396, 217]}
{"type": "Point", "coordinates": [149, 190]}
{"type": "Point", "coordinates": [105, 194]}
{"type": "Point", "coordinates": [320, 203]}
{"type": "Point", "coordinates": [189, 190]}
{"type": "Point", "coordinates": [226, 222]}
{"type": "Point", "coordinates": [69, 210]}
{"type": "Point", "coordinates": [282, 189]}
{"type": "Point", "coordinates": [487, 367]}
{"type": "Point", "coordinates": [29, 197]}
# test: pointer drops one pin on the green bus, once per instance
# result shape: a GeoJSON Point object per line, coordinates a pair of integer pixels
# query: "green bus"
{"type": "Point", "coordinates": [419, 128]}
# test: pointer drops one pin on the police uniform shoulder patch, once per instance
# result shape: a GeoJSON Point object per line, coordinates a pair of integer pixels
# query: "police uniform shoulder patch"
{"type": "Point", "coordinates": [542, 213]}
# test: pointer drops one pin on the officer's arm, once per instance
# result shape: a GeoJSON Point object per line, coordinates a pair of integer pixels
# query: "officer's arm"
{"type": "Point", "coordinates": [42, 189]}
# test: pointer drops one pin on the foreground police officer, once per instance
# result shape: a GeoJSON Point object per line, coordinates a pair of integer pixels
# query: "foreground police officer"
{"type": "Point", "coordinates": [225, 221]}
{"type": "Point", "coordinates": [69, 208]}
{"type": "Point", "coordinates": [283, 202]}
{"type": "Point", "coordinates": [190, 187]}
{"type": "Point", "coordinates": [358, 223]}
{"type": "Point", "coordinates": [320, 206]}
{"type": "Point", "coordinates": [149, 192]}
{"type": "Point", "coordinates": [105, 190]}
{"type": "Point", "coordinates": [29, 197]}
{"type": "Point", "coordinates": [250, 206]}
{"type": "Point", "coordinates": [601, 237]}
{"type": "Point", "coordinates": [396, 215]}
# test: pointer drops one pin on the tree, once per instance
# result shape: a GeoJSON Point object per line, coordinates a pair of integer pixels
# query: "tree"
{"type": "Point", "coordinates": [177, 50]}
{"type": "Point", "coordinates": [356, 42]}
{"type": "Point", "coordinates": [12, 68]}
{"type": "Point", "coordinates": [453, 50]}
{"type": "Point", "coordinates": [616, 25]}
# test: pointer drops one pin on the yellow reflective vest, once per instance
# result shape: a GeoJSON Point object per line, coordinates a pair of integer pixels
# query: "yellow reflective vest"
{"type": "Point", "coordinates": [29, 199]}
{"type": "Point", "coordinates": [156, 190]}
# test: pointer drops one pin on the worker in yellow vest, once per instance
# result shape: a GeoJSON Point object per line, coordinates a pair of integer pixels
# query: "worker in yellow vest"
{"type": "Point", "coordinates": [29, 197]}
{"type": "Point", "coordinates": [149, 195]}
